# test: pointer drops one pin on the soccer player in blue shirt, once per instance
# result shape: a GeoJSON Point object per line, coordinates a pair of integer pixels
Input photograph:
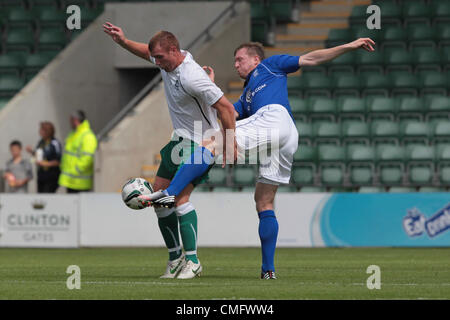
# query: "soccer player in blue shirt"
{"type": "Point", "coordinates": [264, 122]}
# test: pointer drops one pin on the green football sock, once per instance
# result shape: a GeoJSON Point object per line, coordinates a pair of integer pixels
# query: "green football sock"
{"type": "Point", "coordinates": [188, 230]}
{"type": "Point", "coordinates": [169, 230]}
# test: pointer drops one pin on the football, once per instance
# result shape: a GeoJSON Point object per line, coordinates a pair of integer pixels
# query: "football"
{"type": "Point", "coordinates": [134, 188]}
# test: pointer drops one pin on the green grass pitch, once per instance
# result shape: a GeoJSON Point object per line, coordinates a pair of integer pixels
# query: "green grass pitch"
{"type": "Point", "coordinates": [229, 273]}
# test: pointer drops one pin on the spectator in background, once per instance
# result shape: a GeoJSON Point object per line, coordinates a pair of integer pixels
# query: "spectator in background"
{"type": "Point", "coordinates": [77, 164]}
{"type": "Point", "coordinates": [18, 171]}
{"type": "Point", "coordinates": [48, 156]}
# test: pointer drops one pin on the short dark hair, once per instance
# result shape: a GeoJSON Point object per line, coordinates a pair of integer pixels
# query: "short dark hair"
{"type": "Point", "coordinates": [15, 143]}
{"type": "Point", "coordinates": [165, 39]}
{"type": "Point", "coordinates": [80, 115]}
{"type": "Point", "coordinates": [253, 49]}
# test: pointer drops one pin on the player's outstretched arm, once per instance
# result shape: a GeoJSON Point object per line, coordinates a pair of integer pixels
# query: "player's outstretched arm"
{"type": "Point", "coordinates": [320, 56]}
{"type": "Point", "coordinates": [138, 48]}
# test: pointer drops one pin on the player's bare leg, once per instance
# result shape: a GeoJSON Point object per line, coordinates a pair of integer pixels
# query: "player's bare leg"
{"type": "Point", "coordinates": [268, 227]}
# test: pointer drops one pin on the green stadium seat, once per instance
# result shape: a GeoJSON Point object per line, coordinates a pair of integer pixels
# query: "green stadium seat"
{"type": "Point", "coordinates": [20, 17]}
{"type": "Point", "coordinates": [385, 131]}
{"type": "Point", "coordinates": [368, 189]}
{"type": "Point", "coordinates": [363, 32]}
{"type": "Point", "coordinates": [244, 176]}
{"type": "Point", "coordinates": [441, 12]}
{"type": "Point", "coordinates": [259, 31]}
{"type": "Point", "coordinates": [303, 175]}
{"type": "Point", "coordinates": [405, 84]}
{"type": "Point", "coordinates": [322, 108]}
{"type": "Point", "coordinates": [438, 107]}
{"type": "Point", "coordinates": [391, 13]}
{"type": "Point", "coordinates": [443, 34]}
{"type": "Point", "coordinates": [399, 60]}
{"type": "Point", "coordinates": [420, 165]}
{"type": "Point", "coordinates": [351, 108]}
{"type": "Point", "coordinates": [347, 85]}
{"type": "Point", "coordinates": [376, 84]}
{"type": "Point", "coordinates": [410, 108]}
{"type": "Point", "coordinates": [431, 189]}
{"type": "Point", "coordinates": [50, 16]}
{"type": "Point", "coordinates": [217, 176]}
{"type": "Point", "coordinates": [327, 132]}
{"type": "Point", "coordinates": [360, 165]}
{"type": "Point", "coordinates": [317, 85]}
{"type": "Point", "coordinates": [3, 101]}
{"type": "Point", "coordinates": [414, 131]}
{"type": "Point", "coordinates": [395, 37]}
{"type": "Point", "coordinates": [305, 131]}
{"type": "Point", "coordinates": [338, 36]}
{"type": "Point", "coordinates": [343, 62]}
{"type": "Point", "coordinates": [51, 39]}
{"type": "Point", "coordinates": [332, 176]}
{"type": "Point", "coordinates": [441, 131]}
{"type": "Point", "coordinates": [306, 154]}
{"type": "Point", "coordinates": [414, 12]}
{"type": "Point", "coordinates": [282, 10]}
{"type": "Point", "coordinates": [294, 84]}
{"type": "Point", "coordinates": [369, 58]}
{"type": "Point", "coordinates": [322, 69]}
{"type": "Point", "coordinates": [10, 85]}
{"type": "Point", "coordinates": [19, 39]}
{"type": "Point", "coordinates": [401, 190]}
{"type": "Point", "coordinates": [299, 108]}
{"type": "Point", "coordinates": [391, 164]}
{"type": "Point", "coordinates": [426, 60]}
{"type": "Point", "coordinates": [433, 82]}
{"type": "Point", "coordinates": [35, 62]}
{"type": "Point", "coordinates": [36, 3]}
{"type": "Point", "coordinates": [331, 154]}
{"type": "Point", "coordinates": [312, 189]}
{"type": "Point", "coordinates": [381, 108]}
{"type": "Point", "coordinates": [419, 36]}
{"type": "Point", "coordinates": [11, 63]}
{"type": "Point", "coordinates": [355, 132]}
{"type": "Point", "coordinates": [358, 14]}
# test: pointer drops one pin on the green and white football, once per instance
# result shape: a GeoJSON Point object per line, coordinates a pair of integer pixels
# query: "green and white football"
{"type": "Point", "coordinates": [134, 188]}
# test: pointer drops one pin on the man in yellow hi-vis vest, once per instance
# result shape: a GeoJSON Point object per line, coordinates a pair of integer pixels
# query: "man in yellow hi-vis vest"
{"type": "Point", "coordinates": [77, 163]}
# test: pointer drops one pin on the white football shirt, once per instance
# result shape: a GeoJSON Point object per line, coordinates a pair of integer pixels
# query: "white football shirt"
{"type": "Point", "coordinates": [190, 94]}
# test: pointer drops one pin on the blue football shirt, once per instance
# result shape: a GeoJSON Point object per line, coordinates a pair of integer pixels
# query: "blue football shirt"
{"type": "Point", "coordinates": [267, 84]}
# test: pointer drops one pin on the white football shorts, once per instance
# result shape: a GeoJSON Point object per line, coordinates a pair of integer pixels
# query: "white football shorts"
{"type": "Point", "coordinates": [269, 138]}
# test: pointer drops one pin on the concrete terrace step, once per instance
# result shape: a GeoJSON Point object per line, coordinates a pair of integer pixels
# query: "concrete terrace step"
{"type": "Point", "coordinates": [316, 29]}
{"type": "Point", "coordinates": [294, 40]}
{"type": "Point", "coordinates": [336, 6]}
{"type": "Point", "coordinates": [295, 51]}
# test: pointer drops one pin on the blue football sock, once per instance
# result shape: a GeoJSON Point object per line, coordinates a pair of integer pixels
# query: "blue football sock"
{"type": "Point", "coordinates": [268, 232]}
{"type": "Point", "coordinates": [198, 164]}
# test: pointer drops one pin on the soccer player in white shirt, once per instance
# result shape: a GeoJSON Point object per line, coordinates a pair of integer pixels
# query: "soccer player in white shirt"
{"type": "Point", "coordinates": [192, 98]}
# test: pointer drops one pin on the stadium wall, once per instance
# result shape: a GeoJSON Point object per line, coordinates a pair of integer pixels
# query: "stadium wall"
{"type": "Point", "coordinates": [230, 219]}
{"type": "Point", "coordinates": [137, 139]}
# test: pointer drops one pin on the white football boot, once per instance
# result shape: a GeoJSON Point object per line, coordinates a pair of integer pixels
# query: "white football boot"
{"type": "Point", "coordinates": [174, 267]}
{"type": "Point", "coordinates": [157, 199]}
{"type": "Point", "coordinates": [190, 270]}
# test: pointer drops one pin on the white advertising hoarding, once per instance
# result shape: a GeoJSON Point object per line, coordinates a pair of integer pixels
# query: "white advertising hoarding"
{"type": "Point", "coordinates": [39, 220]}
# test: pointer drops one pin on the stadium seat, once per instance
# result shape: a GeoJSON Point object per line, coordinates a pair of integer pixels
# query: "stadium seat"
{"type": "Point", "coordinates": [394, 37]}
{"type": "Point", "coordinates": [338, 36]}
{"type": "Point", "coordinates": [369, 61]}
{"type": "Point", "coordinates": [327, 132]}
{"type": "Point", "coordinates": [19, 40]}
{"type": "Point", "coordinates": [399, 60]}
{"type": "Point", "coordinates": [11, 63]}
{"type": "Point", "coordinates": [401, 190]}
{"type": "Point", "coordinates": [322, 108]}
{"type": "Point", "coordinates": [217, 176]}
{"type": "Point", "coordinates": [414, 12]}
{"type": "Point", "coordinates": [390, 166]}
{"type": "Point", "coordinates": [385, 131]}
{"type": "Point", "coordinates": [305, 132]}
{"type": "Point", "coordinates": [50, 16]}
{"type": "Point", "coordinates": [419, 36]}
{"type": "Point", "coordinates": [282, 10]}
{"type": "Point", "coordinates": [351, 108]}
{"type": "Point", "coordinates": [299, 107]}
{"type": "Point", "coordinates": [347, 85]}
{"type": "Point", "coordinates": [431, 189]}
{"type": "Point", "coordinates": [381, 108]}
{"type": "Point", "coordinates": [441, 132]}
{"type": "Point", "coordinates": [304, 170]}
{"type": "Point", "coordinates": [344, 62]}
{"type": "Point", "coordinates": [360, 165]}
{"type": "Point", "coordinates": [391, 13]}
{"type": "Point", "coordinates": [376, 84]}
{"type": "Point", "coordinates": [368, 189]}
{"type": "Point", "coordinates": [294, 84]}
{"type": "Point", "coordinates": [355, 132]}
{"type": "Point", "coordinates": [332, 176]}
{"type": "Point", "coordinates": [10, 84]}
{"type": "Point", "coordinates": [414, 131]}
{"type": "Point", "coordinates": [410, 108]}
{"type": "Point", "coordinates": [433, 82]}
{"type": "Point", "coordinates": [405, 85]}
{"type": "Point", "coordinates": [317, 85]}
{"type": "Point", "coordinates": [35, 62]}
{"type": "Point", "coordinates": [51, 39]}
{"type": "Point", "coordinates": [420, 166]}
{"type": "Point", "coordinates": [21, 17]}
{"type": "Point", "coordinates": [426, 60]}
{"type": "Point", "coordinates": [244, 176]}
{"type": "Point", "coordinates": [441, 12]}
{"type": "Point", "coordinates": [438, 107]}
